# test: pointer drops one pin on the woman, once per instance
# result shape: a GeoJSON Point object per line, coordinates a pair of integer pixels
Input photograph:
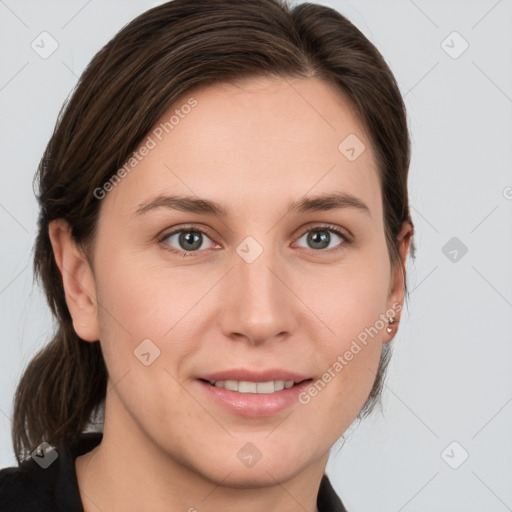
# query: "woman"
{"type": "Point", "coordinates": [223, 237]}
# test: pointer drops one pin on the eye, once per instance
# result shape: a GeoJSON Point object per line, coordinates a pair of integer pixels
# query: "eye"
{"type": "Point", "coordinates": [320, 237]}
{"type": "Point", "coordinates": [188, 240]}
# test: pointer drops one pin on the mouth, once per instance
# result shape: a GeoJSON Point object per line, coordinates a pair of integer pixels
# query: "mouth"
{"type": "Point", "coordinates": [253, 394]}
{"type": "Point", "coordinates": [245, 386]}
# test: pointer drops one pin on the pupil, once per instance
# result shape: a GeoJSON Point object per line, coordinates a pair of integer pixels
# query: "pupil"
{"type": "Point", "coordinates": [188, 238]}
{"type": "Point", "coordinates": [319, 237]}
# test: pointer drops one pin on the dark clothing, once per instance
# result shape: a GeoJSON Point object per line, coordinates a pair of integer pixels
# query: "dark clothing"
{"type": "Point", "coordinates": [30, 488]}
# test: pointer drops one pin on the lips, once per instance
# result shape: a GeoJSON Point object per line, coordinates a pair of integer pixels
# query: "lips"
{"type": "Point", "coordinates": [254, 393]}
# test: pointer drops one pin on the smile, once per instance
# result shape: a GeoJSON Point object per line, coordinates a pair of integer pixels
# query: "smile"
{"type": "Point", "coordinates": [253, 394]}
{"type": "Point", "coordinates": [243, 386]}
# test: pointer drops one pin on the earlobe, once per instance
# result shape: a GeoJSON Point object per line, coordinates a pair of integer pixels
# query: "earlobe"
{"type": "Point", "coordinates": [77, 280]}
{"type": "Point", "coordinates": [397, 293]}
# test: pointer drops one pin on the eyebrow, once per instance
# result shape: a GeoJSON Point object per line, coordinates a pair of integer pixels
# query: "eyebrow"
{"type": "Point", "coordinates": [190, 204]}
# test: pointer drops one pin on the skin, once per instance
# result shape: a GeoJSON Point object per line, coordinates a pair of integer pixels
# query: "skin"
{"type": "Point", "coordinates": [253, 148]}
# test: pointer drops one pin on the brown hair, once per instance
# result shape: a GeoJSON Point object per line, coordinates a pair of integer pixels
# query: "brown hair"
{"type": "Point", "coordinates": [129, 84]}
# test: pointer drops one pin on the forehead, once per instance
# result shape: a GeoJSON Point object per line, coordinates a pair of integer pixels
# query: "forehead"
{"type": "Point", "coordinates": [260, 141]}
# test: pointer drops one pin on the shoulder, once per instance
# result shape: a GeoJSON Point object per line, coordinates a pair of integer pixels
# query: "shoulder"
{"type": "Point", "coordinates": [328, 500]}
{"type": "Point", "coordinates": [28, 487]}
{"type": "Point", "coordinates": [47, 481]}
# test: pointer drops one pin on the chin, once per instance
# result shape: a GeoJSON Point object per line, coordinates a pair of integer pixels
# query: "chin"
{"type": "Point", "coordinates": [257, 477]}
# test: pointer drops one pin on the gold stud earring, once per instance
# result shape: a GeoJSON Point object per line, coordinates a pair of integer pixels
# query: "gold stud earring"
{"type": "Point", "coordinates": [391, 320]}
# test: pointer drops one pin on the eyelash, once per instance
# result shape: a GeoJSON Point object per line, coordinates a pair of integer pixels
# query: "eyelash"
{"type": "Point", "coordinates": [323, 227]}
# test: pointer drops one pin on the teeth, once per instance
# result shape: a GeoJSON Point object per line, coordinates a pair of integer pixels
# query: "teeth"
{"type": "Point", "coordinates": [247, 387]}
{"type": "Point", "coordinates": [264, 387]}
{"type": "Point", "coordinates": [243, 386]}
{"type": "Point", "coordinates": [279, 385]}
{"type": "Point", "coordinates": [232, 385]}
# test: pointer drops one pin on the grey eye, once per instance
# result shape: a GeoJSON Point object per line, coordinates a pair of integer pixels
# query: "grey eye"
{"type": "Point", "coordinates": [320, 238]}
{"type": "Point", "coordinates": [187, 239]}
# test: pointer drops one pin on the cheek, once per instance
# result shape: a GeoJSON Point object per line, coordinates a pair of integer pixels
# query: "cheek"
{"type": "Point", "coordinates": [139, 309]}
{"type": "Point", "coordinates": [145, 299]}
{"type": "Point", "coordinates": [354, 298]}
{"type": "Point", "coordinates": [132, 308]}
{"type": "Point", "coordinates": [142, 300]}
{"type": "Point", "coordinates": [353, 305]}
{"type": "Point", "coordinates": [349, 359]}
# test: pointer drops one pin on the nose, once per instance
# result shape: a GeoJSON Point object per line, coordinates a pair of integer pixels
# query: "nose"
{"type": "Point", "coordinates": [258, 305]}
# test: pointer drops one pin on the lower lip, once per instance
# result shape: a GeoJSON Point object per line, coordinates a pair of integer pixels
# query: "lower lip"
{"type": "Point", "coordinates": [254, 405]}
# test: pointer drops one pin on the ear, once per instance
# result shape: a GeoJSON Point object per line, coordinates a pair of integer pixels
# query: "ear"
{"type": "Point", "coordinates": [397, 286]}
{"type": "Point", "coordinates": [77, 279]}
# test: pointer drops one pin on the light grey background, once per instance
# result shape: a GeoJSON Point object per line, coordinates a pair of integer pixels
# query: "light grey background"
{"type": "Point", "coordinates": [450, 378]}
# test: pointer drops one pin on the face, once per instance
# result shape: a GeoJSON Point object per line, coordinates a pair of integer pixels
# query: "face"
{"type": "Point", "coordinates": [279, 289]}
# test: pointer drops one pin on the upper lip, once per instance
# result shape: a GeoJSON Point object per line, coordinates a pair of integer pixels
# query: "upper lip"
{"type": "Point", "coordinates": [241, 374]}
